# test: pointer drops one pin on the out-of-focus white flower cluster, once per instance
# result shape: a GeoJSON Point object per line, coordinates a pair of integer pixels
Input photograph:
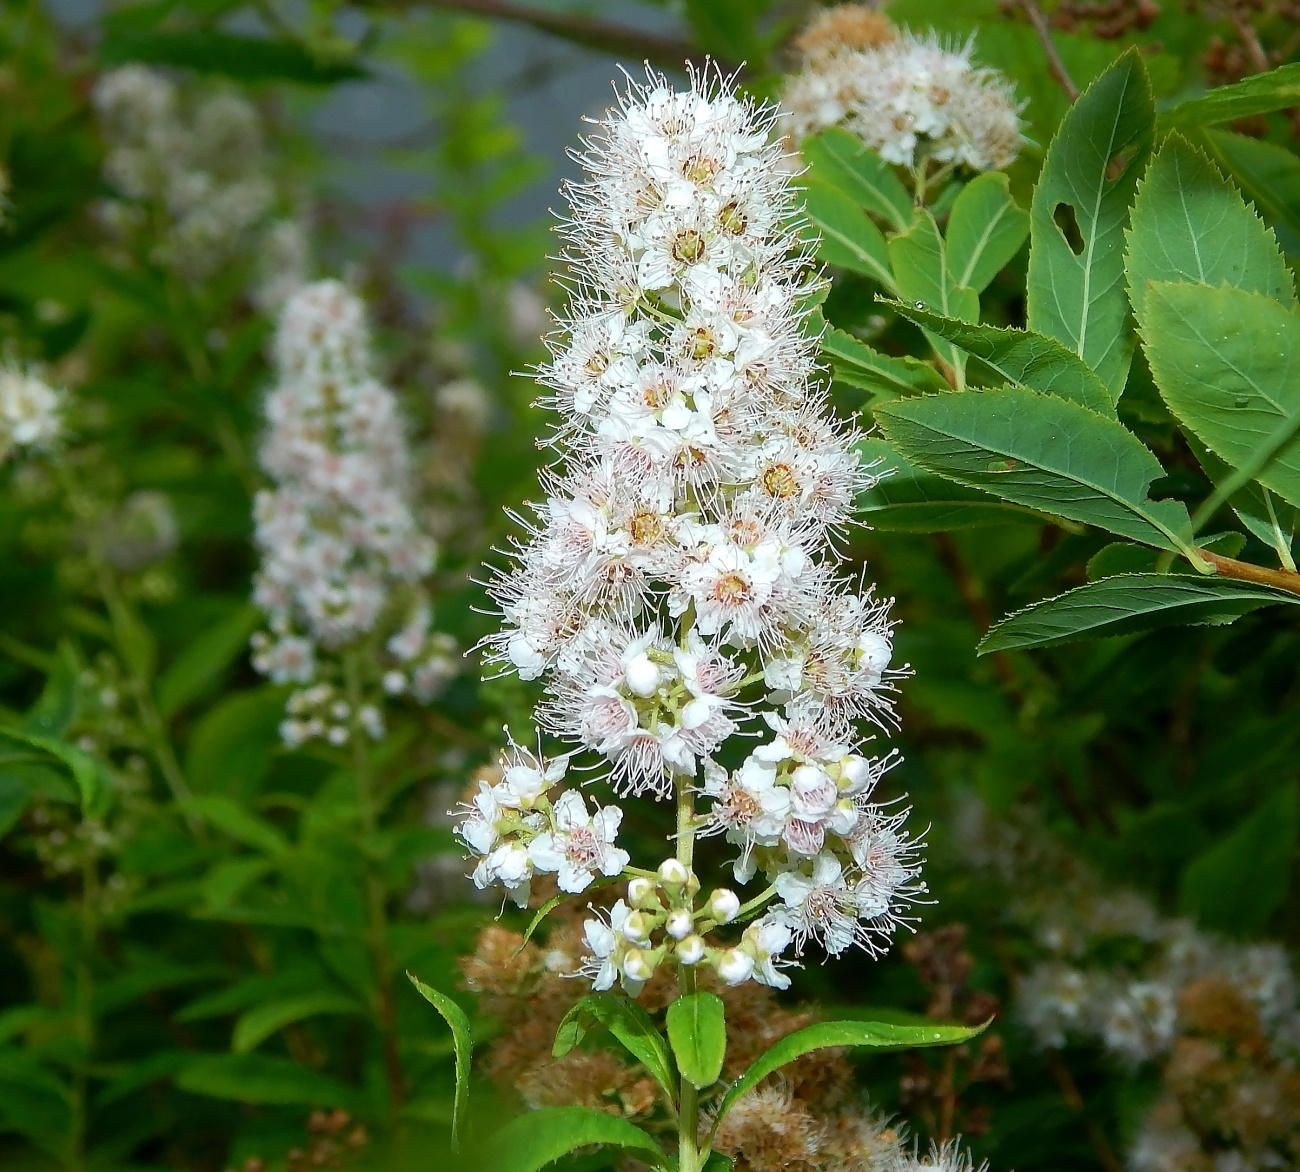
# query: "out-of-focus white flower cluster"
{"type": "Point", "coordinates": [679, 585]}
{"type": "Point", "coordinates": [912, 99]}
{"type": "Point", "coordinates": [31, 411]}
{"type": "Point", "coordinates": [343, 560]}
{"type": "Point", "coordinates": [198, 175]}
{"type": "Point", "coordinates": [1145, 987]}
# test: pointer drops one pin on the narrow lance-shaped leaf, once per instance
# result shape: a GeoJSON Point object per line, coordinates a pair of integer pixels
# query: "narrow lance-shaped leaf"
{"type": "Point", "coordinates": [1020, 356]}
{"type": "Point", "coordinates": [1041, 452]}
{"type": "Point", "coordinates": [1128, 604]}
{"type": "Point", "coordinates": [920, 263]}
{"type": "Point", "coordinates": [536, 1138]}
{"type": "Point", "coordinates": [698, 1034]}
{"type": "Point", "coordinates": [629, 1024]}
{"type": "Point", "coordinates": [986, 228]}
{"type": "Point", "coordinates": [1077, 217]}
{"type": "Point", "coordinates": [1278, 89]}
{"type": "Point", "coordinates": [859, 365]}
{"type": "Point", "coordinates": [259, 1023]}
{"type": "Point", "coordinates": [1189, 224]}
{"type": "Point", "coordinates": [1272, 520]}
{"type": "Point", "coordinates": [463, 1043]}
{"type": "Point", "coordinates": [874, 1034]}
{"type": "Point", "coordinates": [1227, 363]}
{"type": "Point", "coordinates": [843, 160]}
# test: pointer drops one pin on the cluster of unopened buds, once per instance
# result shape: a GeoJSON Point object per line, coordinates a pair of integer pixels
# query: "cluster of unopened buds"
{"type": "Point", "coordinates": [322, 712]}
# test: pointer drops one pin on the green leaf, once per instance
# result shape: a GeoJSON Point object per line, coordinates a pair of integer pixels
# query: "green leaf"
{"type": "Point", "coordinates": [1022, 357]}
{"type": "Point", "coordinates": [93, 782]}
{"type": "Point", "coordinates": [920, 264]}
{"type": "Point", "coordinates": [1239, 883]}
{"type": "Point", "coordinates": [860, 366]}
{"type": "Point", "coordinates": [463, 1042]}
{"type": "Point", "coordinates": [1278, 89]}
{"type": "Point", "coordinates": [14, 799]}
{"type": "Point", "coordinates": [534, 1139]}
{"type": "Point", "coordinates": [843, 160]}
{"type": "Point", "coordinates": [228, 816]}
{"type": "Point", "coordinates": [1269, 174]}
{"type": "Point", "coordinates": [1227, 364]}
{"type": "Point", "coordinates": [231, 746]}
{"type": "Point", "coordinates": [629, 1024]}
{"type": "Point", "coordinates": [205, 659]}
{"type": "Point", "coordinates": [697, 1031]}
{"type": "Point", "coordinates": [986, 228]}
{"type": "Point", "coordinates": [875, 1034]}
{"type": "Point", "coordinates": [1041, 452]}
{"type": "Point", "coordinates": [1076, 253]}
{"type": "Point", "coordinates": [256, 1025]}
{"type": "Point", "coordinates": [1127, 604]}
{"type": "Point", "coordinates": [1189, 224]}
{"type": "Point", "coordinates": [260, 1078]}
{"type": "Point", "coordinates": [849, 237]}
{"type": "Point", "coordinates": [909, 500]}
{"type": "Point", "coordinates": [1273, 521]}
{"type": "Point", "coordinates": [227, 54]}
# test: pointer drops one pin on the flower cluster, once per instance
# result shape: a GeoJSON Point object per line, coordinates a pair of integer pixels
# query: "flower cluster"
{"type": "Point", "coordinates": [1220, 1019]}
{"type": "Point", "coordinates": [31, 412]}
{"type": "Point", "coordinates": [343, 558]}
{"type": "Point", "coordinates": [680, 580]}
{"type": "Point", "coordinates": [200, 174]}
{"type": "Point", "coordinates": [912, 99]}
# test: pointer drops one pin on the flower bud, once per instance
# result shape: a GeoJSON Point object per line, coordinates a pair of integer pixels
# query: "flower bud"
{"type": "Point", "coordinates": [642, 676]}
{"type": "Point", "coordinates": [680, 924]}
{"type": "Point", "coordinates": [638, 926]}
{"type": "Point", "coordinates": [735, 967]}
{"type": "Point", "coordinates": [690, 951]}
{"type": "Point", "coordinates": [855, 773]}
{"type": "Point", "coordinates": [724, 905]}
{"type": "Point", "coordinates": [641, 893]}
{"type": "Point", "coordinates": [639, 965]}
{"type": "Point", "coordinates": [673, 874]}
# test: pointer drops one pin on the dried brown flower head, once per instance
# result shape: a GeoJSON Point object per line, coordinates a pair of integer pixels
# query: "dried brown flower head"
{"type": "Point", "coordinates": [845, 28]}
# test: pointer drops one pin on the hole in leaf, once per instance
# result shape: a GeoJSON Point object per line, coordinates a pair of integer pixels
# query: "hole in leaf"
{"type": "Point", "coordinates": [1068, 223]}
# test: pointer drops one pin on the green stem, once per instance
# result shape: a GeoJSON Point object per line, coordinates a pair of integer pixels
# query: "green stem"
{"type": "Point", "coordinates": [689, 1157]}
{"type": "Point", "coordinates": [376, 897]}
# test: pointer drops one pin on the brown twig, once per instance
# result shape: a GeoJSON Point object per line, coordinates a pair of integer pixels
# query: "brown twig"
{"type": "Point", "coordinates": [1096, 1137]}
{"type": "Point", "coordinates": [604, 36]}
{"type": "Point", "coordinates": [1254, 50]}
{"type": "Point", "coordinates": [1287, 580]}
{"type": "Point", "coordinates": [1055, 66]}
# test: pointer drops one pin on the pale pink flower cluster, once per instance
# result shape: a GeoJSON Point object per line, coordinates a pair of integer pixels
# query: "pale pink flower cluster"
{"type": "Point", "coordinates": [680, 580]}
{"type": "Point", "coordinates": [343, 558]}
{"type": "Point", "coordinates": [910, 99]}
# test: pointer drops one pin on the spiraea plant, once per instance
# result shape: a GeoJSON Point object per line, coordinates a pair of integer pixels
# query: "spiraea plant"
{"type": "Point", "coordinates": [679, 594]}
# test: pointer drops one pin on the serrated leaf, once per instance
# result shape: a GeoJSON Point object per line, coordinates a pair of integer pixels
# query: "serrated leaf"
{"type": "Point", "coordinates": [226, 54]}
{"type": "Point", "coordinates": [1239, 883]}
{"type": "Point", "coordinates": [843, 160]}
{"type": "Point", "coordinates": [1227, 364]}
{"type": "Point", "coordinates": [463, 1044]}
{"type": "Point", "coordinates": [1273, 521]}
{"type": "Point", "coordinates": [204, 659]}
{"type": "Point", "coordinates": [535, 1138]}
{"type": "Point", "coordinates": [697, 1032]}
{"type": "Point", "coordinates": [1041, 452]}
{"type": "Point", "coordinates": [874, 1034]}
{"type": "Point", "coordinates": [1127, 604]}
{"type": "Point", "coordinates": [230, 817]}
{"type": "Point", "coordinates": [1022, 357]}
{"type": "Point", "coordinates": [909, 500]}
{"type": "Point", "coordinates": [255, 1025]}
{"type": "Point", "coordinates": [920, 263]}
{"type": "Point", "coordinates": [849, 237]}
{"type": "Point", "coordinates": [629, 1024]}
{"type": "Point", "coordinates": [986, 228]}
{"type": "Point", "coordinates": [1189, 224]}
{"type": "Point", "coordinates": [1269, 174]}
{"type": "Point", "coordinates": [260, 1078]}
{"type": "Point", "coordinates": [1088, 179]}
{"type": "Point", "coordinates": [1278, 89]}
{"type": "Point", "coordinates": [860, 366]}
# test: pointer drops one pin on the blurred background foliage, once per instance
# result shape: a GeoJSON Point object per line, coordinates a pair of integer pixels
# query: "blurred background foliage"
{"type": "Point", "coordinates": [197, 983]}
